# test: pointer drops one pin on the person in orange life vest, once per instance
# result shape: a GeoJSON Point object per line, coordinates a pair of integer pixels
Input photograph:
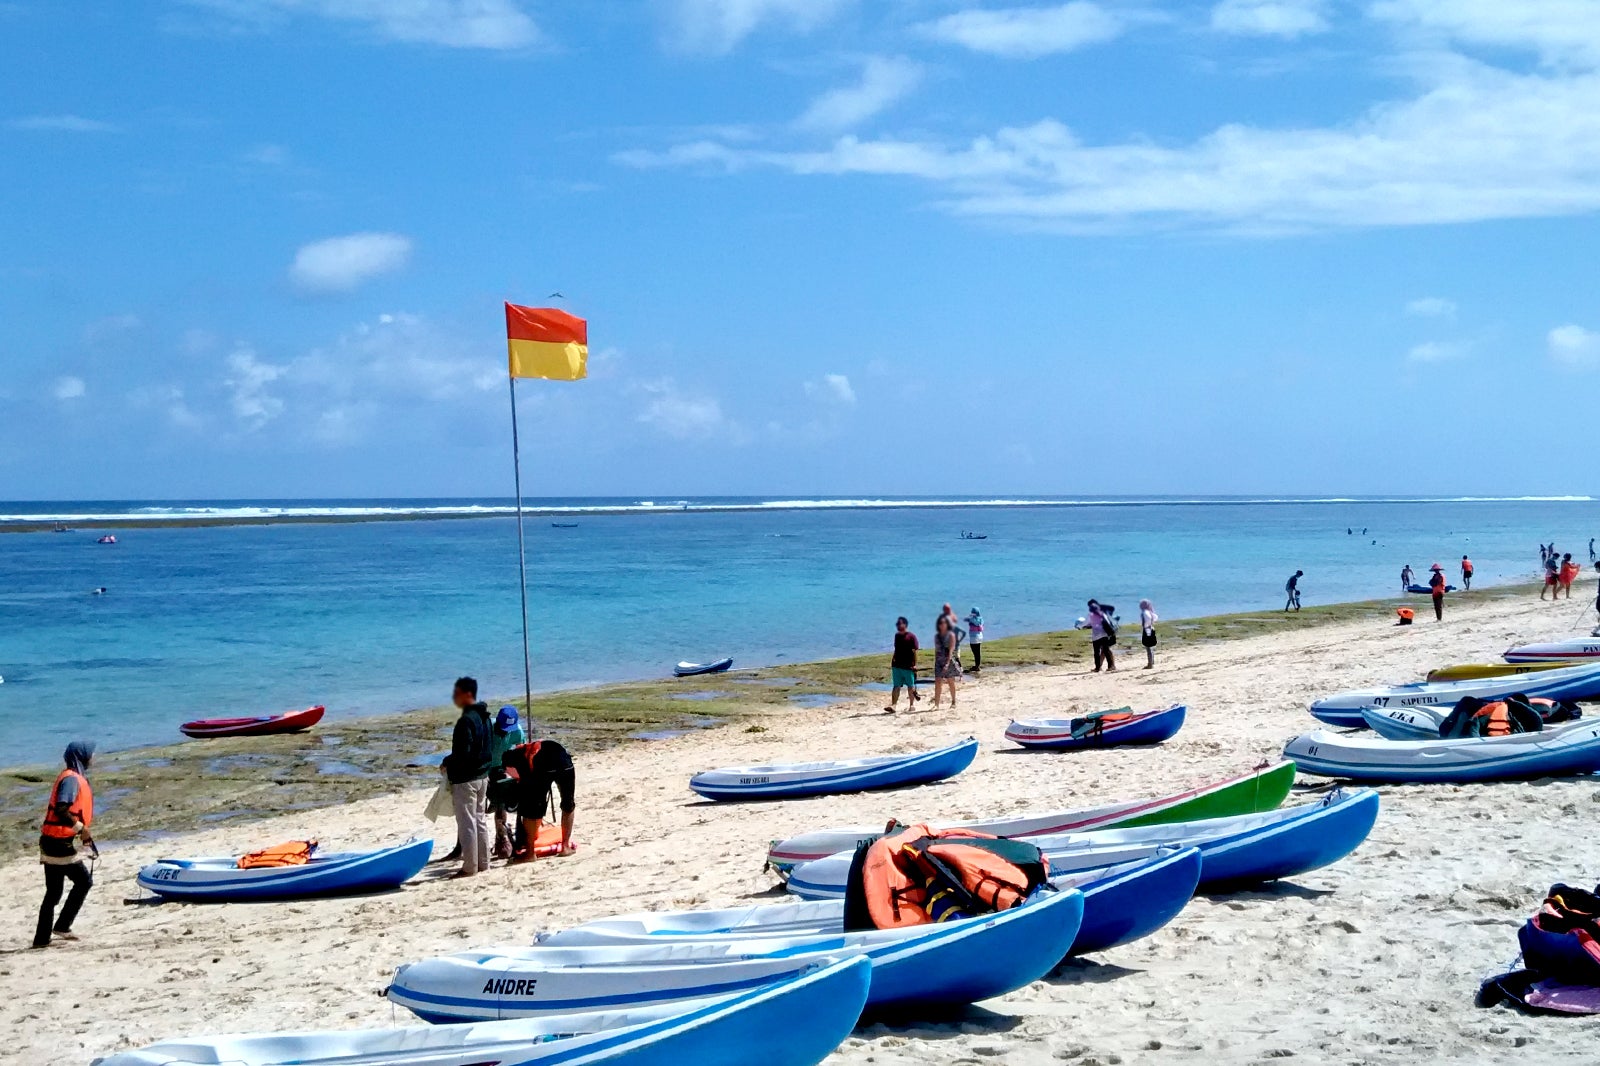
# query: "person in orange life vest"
{"type": "Point", "coordinates": [539, 766]}
{"type": "Point", "coordinates": [1568, 574]}
{"type": "Point", "coordinates": [1436, 586]}
{"type": "Point", "coordinates": [67, 817]}
{"type": "Point", "coordinates": [1466, 574]}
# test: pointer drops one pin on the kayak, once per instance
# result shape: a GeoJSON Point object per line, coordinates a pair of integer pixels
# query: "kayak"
{"type": "Point", "coordinates": [696, 669]}
{"type": "Point", "coordinates": [288, 722]}
{"type": "Point", "coordinates": [217, 880]}
{"type": "Point", "coordinates": [1424, 590]}
{"type": "Point", "coordinates": [1121, 902]}
{"type": "Point", "coordinates": [1581, 682]}
{"type": "Point", "coordinates": [841, 775]}
{"type": "Point", "coordinates": [1104, 730]}
{"type": "Point", "coordinates": [1243, 850]}
{"type": "Point", "coordinates": [1263, 789]}
{"type": "Point", "coordinates": [950, 963]}
{"type": "Point", "coordinates": [1568, 749]}
{"type": "Point", "coordinates": [1476, 671]}
{"type": "Point", "coordinates": [1580, 648]}
{"type": "Point", "coordinates": [1405, 723]}
{"type": "Point", "coordinates": [814, 1011]}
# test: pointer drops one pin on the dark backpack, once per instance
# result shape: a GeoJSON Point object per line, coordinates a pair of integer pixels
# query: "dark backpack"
{"type": "Point", "coordinates": [1107, 623]}
{"type": "Point", "coordinates": [1563, 939]}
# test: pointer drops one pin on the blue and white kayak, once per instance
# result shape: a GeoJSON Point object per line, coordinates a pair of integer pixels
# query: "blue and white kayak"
{"type": "Point", "coordinates": [1104, 730]}
{"type": "Point", "coordinates": [1566, 749]}
{"type": "Point", "coordinates": [843, 775]}
{"type": "Point", "coordinates": [697, 669]}
{"type": "Point", "coordinates": [1554, 651]}
{"type": "Point", "coordinates": [952, 963]}
{"type": "Point", "coordinates": [814, 1011]}
{"type": "Point", "coordinates": [216, 880]}
{"type": "Point", "coordinates": [1343, 711]}
{"type": "Point", "coordinates": [1242, 850]}
{"type": "Point", "coordinates": [1405, 723]}
{"type": "Point", "coordinates": [1120, 903]}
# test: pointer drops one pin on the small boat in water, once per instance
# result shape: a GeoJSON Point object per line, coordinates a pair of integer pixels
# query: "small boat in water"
{"type": "Point", "coordinates": [840, 775]}
{"type": "Point", "coordinates": [697, 669]}
{"type": "Point", "coordinates": [221, 879]}
{"type": "Point", "coordinates": [563, 525]}
{"type": "Point", "coordinates": [814, 1011]}
{"type": "Point", "coordinates": [107, 539]}
{"type": "Point", "coordinates": [1104, 730]}
{"type": "Point", "coordinates": [263, 725]}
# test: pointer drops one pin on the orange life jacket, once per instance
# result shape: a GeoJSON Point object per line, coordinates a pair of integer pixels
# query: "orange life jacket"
{"type": "Point", "coordinates": [80, 811]}
{"type": "Point", "coordinates": [1498, 715]}
{"type": "Point", "coordinates": [1466, 566]}
{"type": "Point", "coordinates": [292, 853]}
{"type": "Point", "coordinates": [919, 876]}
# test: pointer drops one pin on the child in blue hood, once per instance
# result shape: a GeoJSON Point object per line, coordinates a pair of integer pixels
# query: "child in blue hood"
{"type": "Point", "coordinates": [507, 734]}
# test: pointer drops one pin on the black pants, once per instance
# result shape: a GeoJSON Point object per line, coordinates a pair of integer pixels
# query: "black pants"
{"type": "Point", "coordinates": [1102, 653]}
{"type": "Point", "coordinates": [977, 657]}
{"type": "Point", "coordinates": [1438, 608]}
{"type": "Point", "coordinates": [55, 878]}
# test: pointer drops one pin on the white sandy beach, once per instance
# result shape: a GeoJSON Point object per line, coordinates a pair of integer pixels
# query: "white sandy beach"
{"type": "Point", "coordinates": [1374, 960]}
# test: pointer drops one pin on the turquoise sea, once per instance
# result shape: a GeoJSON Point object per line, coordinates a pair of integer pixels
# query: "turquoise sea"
{"type": "Point", "coordinates": [380, 616]}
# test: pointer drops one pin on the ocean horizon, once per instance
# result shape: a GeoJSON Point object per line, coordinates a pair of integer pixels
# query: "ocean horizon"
{"type": "Point", "coordinates": [375, 616]}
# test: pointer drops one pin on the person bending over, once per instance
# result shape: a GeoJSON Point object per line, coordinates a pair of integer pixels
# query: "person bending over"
{"type": "Point", "coordinates": [540, 766]}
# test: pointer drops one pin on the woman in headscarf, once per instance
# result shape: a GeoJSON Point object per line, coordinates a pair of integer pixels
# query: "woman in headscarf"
{"type": "Point", "coordinates": [1147, 630]}
{"type": "Point", "coordinates": [67, 818]}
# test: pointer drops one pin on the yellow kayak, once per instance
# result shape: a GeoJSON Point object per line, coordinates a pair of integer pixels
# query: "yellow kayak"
{"type": "Point", "coordinates": [1475, 671]}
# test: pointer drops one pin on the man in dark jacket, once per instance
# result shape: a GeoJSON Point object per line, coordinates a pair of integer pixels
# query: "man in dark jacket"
{"type": "Point", "coordinates": [467, 769]}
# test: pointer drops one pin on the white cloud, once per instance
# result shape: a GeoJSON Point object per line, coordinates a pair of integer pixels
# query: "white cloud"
{"type": "Point", "coordinates": [1559, 31]}
{"type": "Point", "coordinates": [1270, 18]}
{"type": "Point", "coordinates": [1574, 346]}
{"type": "Point", "coordinates": [68, 388]}
{"type": "Point", "coordinates": [169, 400]}
{"type": "Point", "coordinates": [1476, 143]}
{"type": "Point", "coordinates": [493, 24]}
{"type": "Point", "coordinates": [1027, 32]}
{"type": "Point", "coordinates": [340, 264]}
{"type": "Point", "coordinates": [885, 81]}
{"type": "Point", "coordinates": [1432, 307]}
{"type": "Point", "coordinates": [60, 124]}
{"type": "Point", "coordinates": [718, 26]}
{"type": "Point", "coordinates": [248, 378]}
{"type": "Point", "coordinates": [1435, 352]}
{"type": "Point", "coordinates": [834, 387]}
{"type": "Point", "coordinates": [681, 415]}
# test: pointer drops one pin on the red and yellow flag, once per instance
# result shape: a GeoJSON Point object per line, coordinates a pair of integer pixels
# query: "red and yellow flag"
{"type": "Point", "coordinates": [546, 343]}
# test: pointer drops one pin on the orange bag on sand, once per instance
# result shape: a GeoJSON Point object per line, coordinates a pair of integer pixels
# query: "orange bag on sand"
{"type": "Point", "coordinates": [548, 842]}
{"type": "Point", "coordinates": [293, 853]}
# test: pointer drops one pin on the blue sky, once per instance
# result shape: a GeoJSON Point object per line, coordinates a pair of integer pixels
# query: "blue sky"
{"type": "Point", "coordinates": [258, 247]}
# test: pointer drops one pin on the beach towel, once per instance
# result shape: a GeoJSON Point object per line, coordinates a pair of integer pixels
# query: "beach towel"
{"type": "Point", "coordinates": [439, 803]}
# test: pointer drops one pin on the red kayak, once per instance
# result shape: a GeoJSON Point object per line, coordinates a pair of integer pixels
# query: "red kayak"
{"type": "Point", "coordinates": [289, 722]}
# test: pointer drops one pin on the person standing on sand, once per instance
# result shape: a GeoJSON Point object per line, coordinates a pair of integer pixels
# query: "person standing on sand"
{"type": "Point", "coordinates": [1406, 578]}
{"type": "Point", "coordinates": [1292, 588]}
{"type": "Point", "coordinates": [507, 734]}
{"type": "Point", "coordinates": [946, 666]}
{"type": "Point", "coordinates": [541, 766]}
{"type": "Point", "coordinates": [467, 769]}
{"type": "Point", "coordinates": [1102, 635]}
{"type": "Point", "coordinates": [1552, 576]}
{"type": "Point", "coordinates": [67, 817]}
{"type": "Point", "coordinates": [1567, 574]}
{"type": "Point", "coordinates": [1591, 549]}
{"type": "Point", "coordinates": [1466, 574]}
{"type": "Point", "coordinates": [1436, 587]}
{"type": "Point", "coordinates": [1147, 632]}
{"type": "Point", "coordinates": [903, 666]}
{"type": "Point", "coordinates": [975, 638]}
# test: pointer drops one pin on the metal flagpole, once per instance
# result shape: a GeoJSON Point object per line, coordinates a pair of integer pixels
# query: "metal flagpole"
{"type": "Point", "coordinates": [522, 557]}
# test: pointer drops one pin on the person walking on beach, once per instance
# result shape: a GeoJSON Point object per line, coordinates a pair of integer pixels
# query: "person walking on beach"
{"type": "Point", "coordinates": [903, 666]}
{"type": "Point", "coordinates": [946, 664]}
{"type": "Point", "coordinates": [67, 817]}
{"type": "Point", "coordinates": [507, 734]}
{"type": "Point", "coordinates": [1466, 574]}
{"type": "Point", "coordinates": [1292, 588]}
{"type": "Point", "coordinates": [467, 768]}
{"type": "Point", "coordinates": [1591, 549]}
{"type": "Point", "coordinates": [975, 638]}
{"type": "Point", "coordinates": [1406, 578]}
{"type": "Point", "coordinates": [1102, 635]}
{"type": "Point", "coordinates": [1567, 574]}
{"type": "Point", "coordinates": [1552, 576]}
{"type": "Point", "coordinates": [1436, 588]}
{"type": "Point", "coordinates": [539, 767]}
{"type": "Point", "coordinates": [1147, 632]}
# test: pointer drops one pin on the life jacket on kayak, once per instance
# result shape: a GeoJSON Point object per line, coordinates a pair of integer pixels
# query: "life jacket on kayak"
{"type": "Point", "coordinates": [1563, 939]}
{"type": "Point", "coordinates": [914, 875]}
{"type": "Point", "coordinates": [1092, 725]}
{"type": "Point", "coordinates": [291, 853]}
{"type": "Point", "coordinates": [1473, 717]}
{"type": "Point", "coordinates": [79, 814]}
{"type": "Point", "coordinates": [1553, 711]}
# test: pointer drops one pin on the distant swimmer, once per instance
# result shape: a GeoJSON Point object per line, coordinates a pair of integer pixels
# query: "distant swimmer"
{"type": "Point", "coordinates": [101, 591]}
{"type": "Point", "coordinates": [1292, 587]}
